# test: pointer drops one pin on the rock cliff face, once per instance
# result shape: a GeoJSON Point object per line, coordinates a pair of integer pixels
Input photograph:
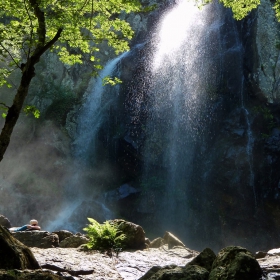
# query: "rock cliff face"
{"type": "Point", "coordinates": [265, 56]}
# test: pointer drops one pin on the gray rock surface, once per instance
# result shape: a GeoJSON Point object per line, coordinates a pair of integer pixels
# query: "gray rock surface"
{"type": "Point", "coordinates": [157, 242]}
{"type": "Point", "coordinates": [62, 234]}
{"type": "Point", "coordinates": [172, 240]}
{"type": "Point", "coordinates": [267, 38]}
{"type": "Point", "coordinates": [73, 241]}
{"type": "Point", "coordinates": [92, 265]}
{"type": "Point", "coordinates": [40, 239]}
{"type": "Point", "coordinates": [270, 264]}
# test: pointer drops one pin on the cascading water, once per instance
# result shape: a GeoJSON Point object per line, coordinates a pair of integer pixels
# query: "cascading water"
{"type": "Point", "coordinates": [92, 115]}
{"type": "Point", "coordinates": [186, 70]}
{"type": "Point", "coordinates": [92, 112]}
{"type": "Point", "coordinates": [194, 74]}
{"type": "Point", "coordinates": [249, 147]}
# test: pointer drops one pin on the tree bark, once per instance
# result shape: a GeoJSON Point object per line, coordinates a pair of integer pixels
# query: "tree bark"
{"type": "Point", "coordinates": [14, 111]}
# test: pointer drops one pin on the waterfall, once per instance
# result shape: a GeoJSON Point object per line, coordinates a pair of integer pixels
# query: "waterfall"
{"type": "Point", "coordinates": [91, 116]}
{"type": "Point", "coordinates": [249, 146]}
{"type": "Point", "coordinates": [186, 73]}
{"type": "Point", "coordinates": [92, 111]}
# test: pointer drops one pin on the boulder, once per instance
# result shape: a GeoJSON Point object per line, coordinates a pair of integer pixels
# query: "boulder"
{"type": "Point", "coordinates": [156, 243]}
{"type": "Point", "coordinates": [205, 259]}
{"type": "Point", "coordinates": [35, 238]}
{"type": "Point", "coordinates": [15, 255]}
{"type": "Point", "coordinates": [147, 241]}
{"type": "Point", "coordinates": [260, 255]}
{"type": "Point", "coordinates": [274, 252]}
{"type": "Point", "coordinates": [172, 240]}
{"type": "Point", "coordinates": [172, 272]}
{"type": "Point", "coordinates": [235, 263]}
{"type": "Point", "coordinates": [73, 241]}
{"type": "Point", "coordinates": [62, 234]}
{"type": "Point", "coordinates": [30, 275]}
{"type": "Point", "coordinates": [135, 235]}
{"type": "Point", "coordinates": [5, 222]}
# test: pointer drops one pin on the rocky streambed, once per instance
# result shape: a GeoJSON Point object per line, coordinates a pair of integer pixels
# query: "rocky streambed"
{"type": "Point", "coordinates": [128, 265]}
{"type": "Point", "coordinates": [61, 255]}
{"type": "Point", "coordinates": [73, 263]}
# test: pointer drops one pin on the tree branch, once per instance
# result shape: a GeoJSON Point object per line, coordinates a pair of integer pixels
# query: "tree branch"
{"type": "Point", "coordinates": [31, 32]}
{"type": "Point", "coordinates": [40, 50]}
{"type": "Point", "coordinates": [41, 21]}
{"type": "Point", "coordinates": [86, 1]}
{"type": "Point", "coordinates": [10, 55]}
{"type": "Point", "coordinates": [3, 104]}
{"type": "Point", "coordinates": [91, 16]}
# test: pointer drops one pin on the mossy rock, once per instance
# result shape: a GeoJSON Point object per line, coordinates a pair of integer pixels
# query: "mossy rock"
{"type": "Point", "coordinates": [235, 263]}
{"type": "Point", "coordinates": [135, 235]}
{"type": "Point", "coordinates": [28, 275]}
{"type": "Point", "coordinates": [204, 259]}
{"type": "Point", "coordinates": [15, 255]}
{"type": "Point", "coordinates": [172, 272]}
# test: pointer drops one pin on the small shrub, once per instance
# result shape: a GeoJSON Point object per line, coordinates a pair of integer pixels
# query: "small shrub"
{"type": "Point", "coordinates": [104, 236]}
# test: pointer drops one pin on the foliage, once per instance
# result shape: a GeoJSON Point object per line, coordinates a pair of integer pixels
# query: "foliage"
{"type": "Point", "coordinates": [241, 8]}
{"type": "Point", "coordinates": [104, 236]}
{"type": "Point", "coordinates": [111, 81]}
{"type": "Point", "coordinates": [73, 29]}
{"type": "Point", "coordinates": [30, 109]}
{"type": "Point", "coordinates": [84, 24]}
{"type": "Point", "coordinates": [4, 108]}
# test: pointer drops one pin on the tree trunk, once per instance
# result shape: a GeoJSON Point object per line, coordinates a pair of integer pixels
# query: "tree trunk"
{"type": "Point", "coordinates": [28, 73]}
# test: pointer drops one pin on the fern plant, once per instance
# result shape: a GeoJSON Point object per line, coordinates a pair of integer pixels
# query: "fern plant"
{"type": "Point", "coordinates": [104, 236]}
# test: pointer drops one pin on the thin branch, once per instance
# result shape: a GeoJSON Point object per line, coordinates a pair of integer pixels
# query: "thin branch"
{"type": "Point", "coordinates": [41, 31]}
{"type": "Point", "coordinates": [91, 16]}
{"type": "Point", "coordinates": [10, 55]}
{"type": "Point", "coordinates": [83, 6]}
{"type": "Point", "coordinates": [31, 24]}
{"type": "Point", "coordinates": [40, 50]}
{"type": "Point", "coordinates": [22, 47]}
{"type": "Point", "coordinates": [3, 104]}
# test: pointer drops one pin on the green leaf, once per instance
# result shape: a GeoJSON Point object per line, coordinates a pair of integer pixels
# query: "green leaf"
{"type": "Point", "coordinates": [111, 81]}
{"type": "Point", "coordinates": [30, 109]}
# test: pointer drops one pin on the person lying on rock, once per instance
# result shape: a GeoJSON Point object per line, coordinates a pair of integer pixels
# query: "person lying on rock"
{"type": "Point", "coordinates": [33, 225]}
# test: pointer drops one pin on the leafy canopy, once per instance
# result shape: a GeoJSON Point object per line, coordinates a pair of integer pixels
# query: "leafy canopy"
{"type": "Point", "coordinates": [241, 8]}
{"type": "Point", "coordinates": [104, 236]}
{"type": "Point", "coordinates": [27, 24]}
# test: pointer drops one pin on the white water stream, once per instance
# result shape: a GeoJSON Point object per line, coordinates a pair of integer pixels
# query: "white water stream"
{"type": "Point", "coordinates": [186, 67]}
{"type": "Point", "coordinates": [92, 115]}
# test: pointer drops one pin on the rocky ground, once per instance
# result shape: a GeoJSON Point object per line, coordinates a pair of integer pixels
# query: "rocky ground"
{"type": "Point", "coordinates": [129, 265]}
